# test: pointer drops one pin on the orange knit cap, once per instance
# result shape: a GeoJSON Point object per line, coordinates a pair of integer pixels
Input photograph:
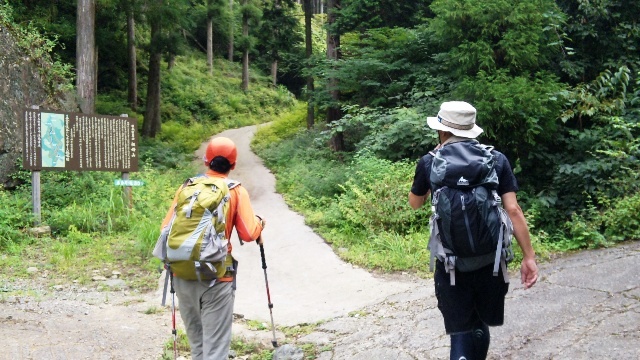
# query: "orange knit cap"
{"type": "Point", "coordinates": [221, 146]}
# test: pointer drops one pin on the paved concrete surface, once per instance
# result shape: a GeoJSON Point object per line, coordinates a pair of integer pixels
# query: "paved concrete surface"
{"type": "Point", "coordinates": [585, 306]}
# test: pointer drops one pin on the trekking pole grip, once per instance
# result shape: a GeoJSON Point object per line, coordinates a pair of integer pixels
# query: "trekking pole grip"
{"type": "Point", "coordinates": [264, 262]}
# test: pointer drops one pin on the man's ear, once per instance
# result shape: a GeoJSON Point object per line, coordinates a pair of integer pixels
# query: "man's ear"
{"type": "Point", "coordinates": [233, 166]}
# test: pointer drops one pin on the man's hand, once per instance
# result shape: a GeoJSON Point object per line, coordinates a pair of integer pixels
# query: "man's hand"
{"type": "Point", "coordinates": [528, 272]}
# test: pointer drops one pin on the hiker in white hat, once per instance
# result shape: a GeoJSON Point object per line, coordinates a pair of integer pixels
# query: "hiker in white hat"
{"type": "Point", "coordinates": [470, 231]}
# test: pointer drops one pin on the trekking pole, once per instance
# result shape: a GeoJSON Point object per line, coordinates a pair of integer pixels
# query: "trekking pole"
{"type": "Point", "coordinates": [266, 281]}
{"type": "Point", "coordinates": [173, 318]}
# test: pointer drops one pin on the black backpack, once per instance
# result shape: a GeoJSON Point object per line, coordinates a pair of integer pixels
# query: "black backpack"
{"type": "Point", "coordinates": [469, 227]}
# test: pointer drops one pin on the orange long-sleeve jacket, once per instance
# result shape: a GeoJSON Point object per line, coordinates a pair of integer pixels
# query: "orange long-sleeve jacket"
{"type": "Point", "coordinates": [240, 215]}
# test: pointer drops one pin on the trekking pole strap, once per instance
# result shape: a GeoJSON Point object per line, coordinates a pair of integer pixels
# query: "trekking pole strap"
{"type": "Point", "coordinates": [166, 285]}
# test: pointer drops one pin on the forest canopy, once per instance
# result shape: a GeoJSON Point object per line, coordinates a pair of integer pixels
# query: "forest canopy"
{"type": "Point", "coordinates": [556, 83]}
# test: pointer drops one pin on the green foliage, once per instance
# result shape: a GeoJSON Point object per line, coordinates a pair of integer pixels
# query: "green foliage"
{"type": "Point", "coordinates": [598, 163]}
{"type": "Point", "coordinates": [584, 230]}
{"type": "Point", "coordinates": [245, 42]}
{"type": "Point", "coordinates": [621, 220]}
{"type": "Point", "coordinates": [57, 75]}
{"type": "Point", "coordinates": [182, 345]}
{"type": "Point", "coordinates": [393, 134]}
{"type": "Point", "coordinates": [501, 34]}
{"type": "Point", "coordinates": [498, 55]}
{"type": "Point", "coordinates": [190, 96]}
{"type": "Point", "coordinates": [287, 125]}
{"type": "Point", "coordinates": [301, 165]}
{"type": "Point", "coordinates": [14, 216]}
{"type": "Point", "coordinates": [516, 112]}
{"type": "Point", "coordinates": [604, 35]}
{"type": "Point", "coordinates": [375, 196]}
{"type": "Point", "coordinates": [361, 15]}
{"type": "Point", "coordinates": [251, 12]}
{"type": "Point", "coordinates": [388, 251]}
{"type": "Point", "coordinates": [607, 94]}
{"type": "Point", "coordinates": [250, 350]}
{"type": "Point", "coordinates": [377, 68]}
{"type": "Point", "coordinates": [115, 103]}
{"type": "Point", "coordinates": [281, 38]}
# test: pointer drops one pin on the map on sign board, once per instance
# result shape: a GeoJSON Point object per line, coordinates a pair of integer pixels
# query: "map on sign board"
{"type": "Point", "coordinates": [52, 134]}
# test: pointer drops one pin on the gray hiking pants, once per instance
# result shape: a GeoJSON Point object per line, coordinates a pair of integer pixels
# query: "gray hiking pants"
{"type": "Point", "coordinates": [207, 313]}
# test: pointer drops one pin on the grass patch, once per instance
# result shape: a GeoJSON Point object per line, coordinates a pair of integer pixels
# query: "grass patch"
{"type": "Point", "coordinates": [252, 351]}
{"type": "Point", "coordinates": [80, 262]}
{"type": "Point", "coordinates": [182, 347]}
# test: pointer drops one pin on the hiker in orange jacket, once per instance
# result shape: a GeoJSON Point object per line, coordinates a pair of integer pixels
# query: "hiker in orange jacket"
{"type": "Point", "coordinates": [206, 307]}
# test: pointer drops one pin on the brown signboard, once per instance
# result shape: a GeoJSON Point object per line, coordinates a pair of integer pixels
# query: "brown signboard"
{"type": "Point", "coordinates": [79, 142]}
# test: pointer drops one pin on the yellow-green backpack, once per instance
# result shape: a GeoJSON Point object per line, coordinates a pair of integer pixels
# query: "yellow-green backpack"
{"type": "Point", "coordinates": [193, 243]}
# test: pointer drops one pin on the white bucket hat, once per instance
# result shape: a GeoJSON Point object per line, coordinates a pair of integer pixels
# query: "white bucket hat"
{"type": "Point", "coordinates": [456, 117]}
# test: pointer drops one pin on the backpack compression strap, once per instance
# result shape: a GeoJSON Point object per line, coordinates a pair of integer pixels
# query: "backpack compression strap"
{"type": "Point", "coordinates": [435, 243]}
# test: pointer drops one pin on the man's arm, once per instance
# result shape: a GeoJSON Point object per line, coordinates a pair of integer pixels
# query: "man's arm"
{"type": "Point", "coordinates": [420, 185]}
{"type": "Point", "coordinates": [528, 269]}
{"type": "Point", "coordinates": [416, 201]}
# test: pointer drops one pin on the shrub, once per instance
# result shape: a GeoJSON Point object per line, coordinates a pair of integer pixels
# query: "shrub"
{"type": "Point", "coordinates": [622, 220]}
{"type": "Point", "coordinates": [375, 197]}
{"type": "Point", "coordinates": [15, 214]}
{"type": "Point", "coordinates": [395, 134]}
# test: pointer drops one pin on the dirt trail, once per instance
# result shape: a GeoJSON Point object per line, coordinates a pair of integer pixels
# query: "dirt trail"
{"type": "Point", "coordinates": [307, 281]}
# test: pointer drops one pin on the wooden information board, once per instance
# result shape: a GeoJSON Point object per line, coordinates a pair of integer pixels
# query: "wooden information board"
{"type": "Point", "coordinates": [79, 142]}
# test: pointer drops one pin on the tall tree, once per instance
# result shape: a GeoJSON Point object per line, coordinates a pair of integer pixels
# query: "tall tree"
{"type": "Point", "coordinates": [86, 55]}
{"type": "Point", "coordinates": [210, 39]}
{"type": "Point", "coordinates": [132, 93]}
{"type": "Point", "coordinates": [246, 42]}
{"type": "Point", "coordinates": [279, 32]}
{"type": "Point", "coordinates": [213, 9]}
{"type": "Point", "coordinates": [334, 112]}
{"type": "Point", "coordinates": [251, 15]}
{"type": "Point", "coordinates": [152, 124]}
{"type": "Point", "coordinates": [308, 16]}
{"type": "Point", "coordinates": [231, 27]}
{"type": "Point", "coordinates": [166, 21]}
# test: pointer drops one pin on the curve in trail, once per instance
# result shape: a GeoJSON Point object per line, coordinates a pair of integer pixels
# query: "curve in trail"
{"type": "Point", "coordinates": [307, 280]}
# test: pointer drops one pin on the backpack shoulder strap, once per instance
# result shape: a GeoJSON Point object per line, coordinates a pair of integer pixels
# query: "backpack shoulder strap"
{"type": "Point", "coordinates": [231, 183]}
{"type": "Point", "coordinates": [487, 147]}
